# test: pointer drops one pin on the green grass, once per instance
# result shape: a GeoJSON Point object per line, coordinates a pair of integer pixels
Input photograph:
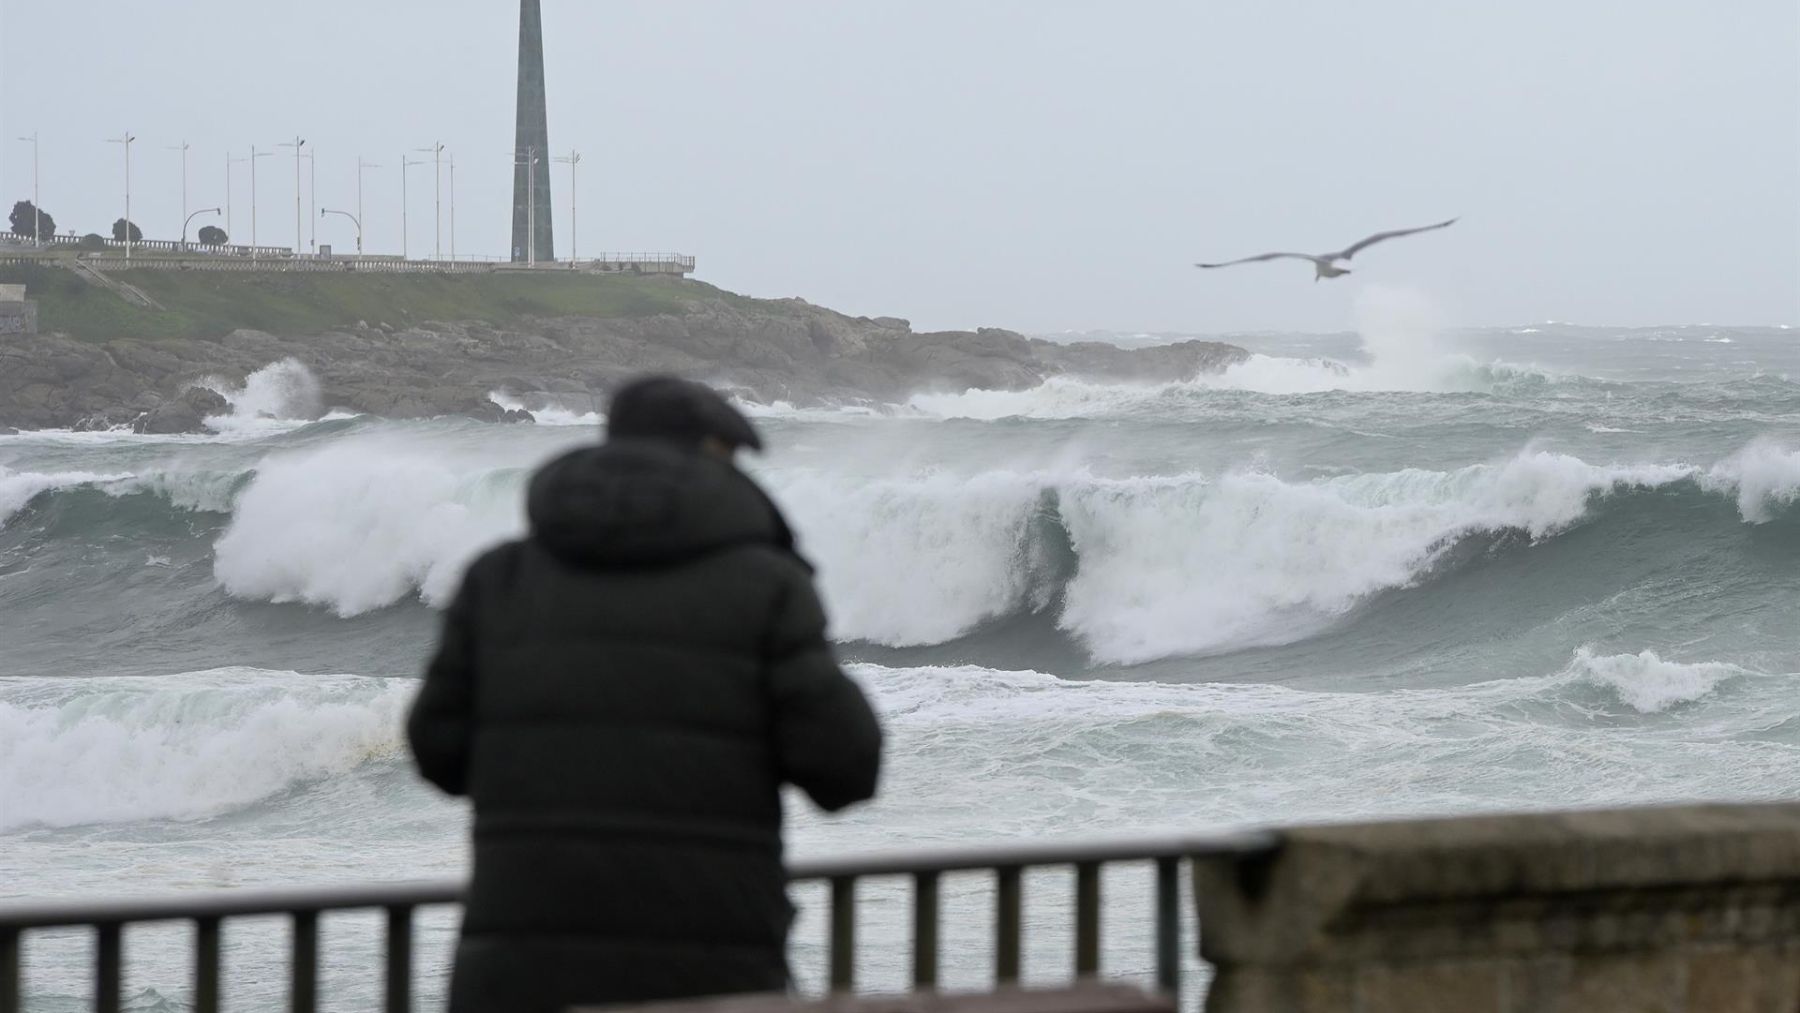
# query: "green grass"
{"type": "Point", "coordinates": [207, 304]}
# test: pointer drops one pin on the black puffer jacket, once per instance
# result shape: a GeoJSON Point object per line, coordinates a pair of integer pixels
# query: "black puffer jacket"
{"type": "Point", "coordinates": [622, 694]}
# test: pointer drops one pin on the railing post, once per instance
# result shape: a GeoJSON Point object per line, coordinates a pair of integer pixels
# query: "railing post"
{"type": "Point", "coordinates": [1087, 919]}
{"type": "Point", "coordinates": [1168, 925]}
{"type": "Point", "coordinates": [303, 996]}
{"type": "Point", "coordinates": [109, 966]}
{"type": "Point", "coordinates": [843, 933]}
{"type": "Point", "coordinates": [925, 931]}
{"type": "Point", "coordinates": [9, 971]}
{"type": "Point", "coordinates": [1008, 924]}
{"type": "Point", "coordinates": [399, 959]}
{"type": "Point", "coordinates": [206, 965]}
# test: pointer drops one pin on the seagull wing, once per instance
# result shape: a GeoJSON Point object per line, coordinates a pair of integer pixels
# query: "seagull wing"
{"type": "Point", "coordinates": [1264, 256]}
{"type": "Point", "coordinates": [1397, 233]}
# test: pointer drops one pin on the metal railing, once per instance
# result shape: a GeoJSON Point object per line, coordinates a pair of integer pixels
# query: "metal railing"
{"type": "Point", "coordinates": [925, 869]}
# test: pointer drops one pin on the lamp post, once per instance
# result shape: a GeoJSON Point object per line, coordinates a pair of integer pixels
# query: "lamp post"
{"type": "Point", "coordinates": [529, 159]}
{"type": "Point", "coordinates": [405, 164]}
{"type": "Point", "coordinates": [255, 252]}
{"type": "Point", "coordinates": [126, 141]}
{"type": "Point", "coordinates": [189, 218]}
{"type": "Point", "coordinates": [572, 159]}
{"type": "Point", "coordinates": [360, 166]}
{"type": "Point", "coordinates": [354, 220]}
{"type": "Point", "coordinates": [183, 148]}
{"type": "Point", "coordinates": [453, 206]}
{"type": "Point", "coordinates": [37, 210]}
{"type": "Point", "coordinates": [229, 162]}
{"type": "Point", "coordinates": [437, 210]}
{"type": "Point", "coordinates": [312, 199]}
{"type": "Point", "coordinates": [297, 143]}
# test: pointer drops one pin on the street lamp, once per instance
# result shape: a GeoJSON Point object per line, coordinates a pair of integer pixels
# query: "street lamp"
{"type": "Point", "coordinates": [354, 220]}
{"type": "Point", "coordinates": [254, 155]}
{"type": "Point", "coordinates": [183, 148]}
{"type": "Point", "coordinates": [126, 141]}
{"type": "Point", "coordinates": [360, 166]}
{"type": "Point", "coordinates": [437, 211]}
{"type": "Point", "coordinates": [37, 209]}
{"type": "Point", "coordinates": [572, 159]}
{"type": "Point", "coordinates": [452, 205]}
{"type": "Point", "coordinates": [189, 218]}
{"type": "Point", "coordinates": [405, 164]}
{"type": "Point", "coordinates": [529, 159]}
{"type": "Point", "coordinates": [297, 143]}
{"type": "Point", "coordinates": [312, 199]}
{"type": "Point", "coordinates": [229, 162]}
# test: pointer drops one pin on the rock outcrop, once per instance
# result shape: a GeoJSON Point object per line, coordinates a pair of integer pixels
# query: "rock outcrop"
{"type": "Point", "coordinates": [771, 350]}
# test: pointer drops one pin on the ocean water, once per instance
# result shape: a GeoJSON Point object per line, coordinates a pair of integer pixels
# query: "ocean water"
{"type": "Point", "coordinates": [1399, 570]}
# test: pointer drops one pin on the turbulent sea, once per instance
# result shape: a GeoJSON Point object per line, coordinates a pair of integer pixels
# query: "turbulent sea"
{"type": "Point", "coordinates": [1362, 575]}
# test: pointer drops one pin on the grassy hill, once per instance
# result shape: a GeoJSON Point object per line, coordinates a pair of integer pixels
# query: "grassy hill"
{"type": "Point", "coordinates": [209, 304]}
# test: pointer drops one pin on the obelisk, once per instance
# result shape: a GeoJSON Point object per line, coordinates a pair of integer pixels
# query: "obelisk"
{"type": "Point", "coordinates": [533, 144]}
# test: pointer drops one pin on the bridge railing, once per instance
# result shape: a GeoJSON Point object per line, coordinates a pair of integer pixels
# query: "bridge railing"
{"type": "Point", "coordinates": [207, 912]}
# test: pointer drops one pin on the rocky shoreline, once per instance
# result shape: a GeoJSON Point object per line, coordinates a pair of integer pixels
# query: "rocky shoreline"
{"type": "Point", "coordinates": [786, 350]}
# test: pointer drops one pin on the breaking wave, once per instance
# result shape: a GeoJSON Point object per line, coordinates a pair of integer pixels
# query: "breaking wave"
{"type": "Point", "coordinates": [278, 396]}
{"type": "Point", "coordinates": [75, 751]}
{"type": "Point", "coordinates": [1133, 569]}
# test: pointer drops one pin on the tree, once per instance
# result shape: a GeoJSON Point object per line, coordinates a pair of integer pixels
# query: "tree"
{"type": "Point", "coordinates": [91, 242]}
{"type": "Point", "coordinates": [119, 227]}
{"type": "Point", "coordinates": [212, 235]}
{"type": "Point", "coordinates": [22, 214]}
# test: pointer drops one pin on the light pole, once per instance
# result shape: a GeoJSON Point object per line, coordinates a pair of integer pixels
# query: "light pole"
{"type": "Point", "coordinates": [353, 218]}
{"type": "Point", "coordinates": [312, 198]}
{"type": "Point", "coordinates": [360, 166]}
{"type": "Point", "coordinates": [183, 148]}
{"type": "Point", "coordinates": [529, 159]}
{"type": "Point", "coordinates": [37, 210]}
{"type": "Point", "coordinates": [437, 209]}
{"type": "Point", "coordinates": [229, 162]}
{"type": "Point", "coordinates": [452, 205]}
{"type": "Point", "coordinates": [572, 159]}
{"type": "Point", "coordinates": [405, 164]}
{"type": "Point", "coordinates": [297, 143]}
{"type": "Point", "coordinates": [126, 141]}
{"type": "Point", "coordinates": [255, 253]}
{"type": "Point", "coordinates": [189, 218]}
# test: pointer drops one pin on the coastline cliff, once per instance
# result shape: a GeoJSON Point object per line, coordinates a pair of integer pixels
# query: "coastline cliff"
{"type": "Point", "coordinates": [411, 346]}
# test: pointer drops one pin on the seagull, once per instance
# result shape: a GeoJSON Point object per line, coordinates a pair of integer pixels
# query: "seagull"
{"type": "Point", "coordinates": [1325, 264]}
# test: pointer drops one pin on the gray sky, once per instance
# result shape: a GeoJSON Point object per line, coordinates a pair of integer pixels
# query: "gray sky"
{"type": "Point", "coordinates": [1034, 164]}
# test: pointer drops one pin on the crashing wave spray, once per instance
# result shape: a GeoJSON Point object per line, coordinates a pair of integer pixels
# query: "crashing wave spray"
{"type": "Point", "coordinates": [284, 390]}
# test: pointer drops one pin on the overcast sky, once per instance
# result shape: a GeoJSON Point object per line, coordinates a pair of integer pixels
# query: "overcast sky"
{"type": "Point", "coordinates": [1034, 164]}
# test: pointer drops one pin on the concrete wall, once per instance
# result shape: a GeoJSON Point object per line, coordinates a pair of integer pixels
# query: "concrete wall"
{"type": "Point", "coordinates": [1672, 910]}
{"type": "Point", "coordinates": [18, 317]}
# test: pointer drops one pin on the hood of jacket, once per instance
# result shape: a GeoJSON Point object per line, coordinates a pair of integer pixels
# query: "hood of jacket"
{"type": "Point", "coordinates": [629, 503]}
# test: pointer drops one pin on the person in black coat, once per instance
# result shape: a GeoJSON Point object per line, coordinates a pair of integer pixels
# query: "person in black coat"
{"type": "Point", "coordinates": [622, 694]}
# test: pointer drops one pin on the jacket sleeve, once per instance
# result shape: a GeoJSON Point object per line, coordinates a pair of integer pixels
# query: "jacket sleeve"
{"type": "Point", "coordinates": [439, 725]}
{"type": "Point", "coordinates": [827, 740]}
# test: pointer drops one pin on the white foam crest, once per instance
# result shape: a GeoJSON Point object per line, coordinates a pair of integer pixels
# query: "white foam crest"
{"type": "Point", "coordinates": [1400, 332]}
{"type": "Point", "coordinates": [363, 522]}
{"type": "Point", "coordinates": [18, 488]}
{"type": "Point", "coordinates": [1765, 477]}
{"type": "Point", "coordinates": [548, 415]}
{"type": "Point", "coordinates": [1647, 683]}
{"type": "Point", "coordinates": [1056, 398]}
{"type": "Point", "coordinates": [915, 561]}
{"type": "Point", "coordinates": [1191, 564]}
{"type": "Point", "coordinates": [103, 750]}
{"type": "Point", "coordinates": [275, 398]}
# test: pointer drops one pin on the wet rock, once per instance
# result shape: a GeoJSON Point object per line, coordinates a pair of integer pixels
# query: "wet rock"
{"type": "Point", "coordinates": [184, 414]}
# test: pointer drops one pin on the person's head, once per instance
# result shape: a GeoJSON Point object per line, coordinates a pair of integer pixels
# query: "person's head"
{"type": "Point", "coordinates": [682, 412]}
